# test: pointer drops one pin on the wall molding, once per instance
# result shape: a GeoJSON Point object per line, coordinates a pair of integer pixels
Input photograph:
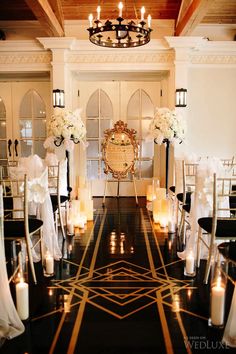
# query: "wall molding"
{"type": "Point", "coordinates": [25, 58]}
{"type": "Point", "coordinates": [212, 59]}
{"type": "Point", "coordinates": [77, 58]}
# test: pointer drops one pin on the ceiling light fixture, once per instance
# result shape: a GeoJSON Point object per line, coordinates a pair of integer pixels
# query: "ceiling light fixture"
{"type": "Point", "coordinates": [119, 35]}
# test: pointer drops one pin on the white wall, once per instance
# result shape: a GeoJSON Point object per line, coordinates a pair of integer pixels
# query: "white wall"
{"type": "Point", "coordinates": [212, 111]}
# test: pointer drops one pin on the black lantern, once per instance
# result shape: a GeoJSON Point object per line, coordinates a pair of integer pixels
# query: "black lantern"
{"type": "Point", "coordinates": [58, 97]}
{"type": "Point", "coordinates": [181, 97]}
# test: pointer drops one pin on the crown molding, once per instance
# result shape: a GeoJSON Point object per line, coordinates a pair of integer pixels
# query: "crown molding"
{"type": "Point", "coordinates": [162, 57]}
{"type": "Point", "coordinates": [184, 42]}
{"type": "Point", "coordinates": [212, 59]}
{"type": "Point", "coordinates": [20, 46]}
{"type": "Point", "coordinates": [57, 42]}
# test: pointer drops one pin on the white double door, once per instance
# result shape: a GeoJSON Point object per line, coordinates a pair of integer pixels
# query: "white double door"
{"type": "Point", "coordinates": [103, 103]}
{"type": "Point", "coordinates": [24, 108]}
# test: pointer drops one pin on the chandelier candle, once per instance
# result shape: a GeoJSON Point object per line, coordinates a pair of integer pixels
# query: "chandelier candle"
{"type": "Point", "coordinates": [142, 13]}
{"type": "Point", "coordinates": [98, 13]}
{"type": "Point", "coordinates": [123, 34]}
{"type": "Point", "coordinates": [120, 7]}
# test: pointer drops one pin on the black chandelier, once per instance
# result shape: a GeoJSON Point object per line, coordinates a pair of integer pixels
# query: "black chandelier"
{"type": "Point", "coordinates": [119, 35]}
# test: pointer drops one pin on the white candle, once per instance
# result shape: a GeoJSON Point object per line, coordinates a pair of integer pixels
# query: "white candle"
{"type": "Point", "coordinates": [70, 227]}
{"type": "Point", "coordinates": [142, 13]}
{"type": "Point", "coordinates": [89, 209]}
{"type": "Point", "coordinates": [217, 304]}
{"type": "Point", "coordinates": [163, 219]}
{"type": "Point", "coordinates": [160, 193]}
{"type": "Point", "coordinates": [83, 194]}
{"type": "Point", "coordinates": [156, 208]}
{"type": "Point", "coordinates": [98, 12]}
{"type": "Point", "coordinates": [149, 21]}
{"type": "Point", "coordinates": [120, 7]}
{"type": "Point", "coordinates": [149, 193]}
{"type": "Point", "coordinates": [190, 263]}
{"type": "Point", "coordinates": [90, 20]}
{"type": "Point", "coordinates": [22, 299]}
{"type": "Point", "coordinates": [49, 264]}
{"type": "Point", "coordinates": [171, 227]}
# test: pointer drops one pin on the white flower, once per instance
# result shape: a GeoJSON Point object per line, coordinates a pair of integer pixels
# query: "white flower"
{"type": "Point", "coordinates": [167, 124]}
{"type": "Point", "coordinates": [66, 124]}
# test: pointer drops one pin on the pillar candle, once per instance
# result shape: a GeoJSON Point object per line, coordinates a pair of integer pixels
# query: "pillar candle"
{"type": "Point", "coordinates": [75, 206]}
{"type": "Point", "coordinates": [217, 303]}
{"type": "Point", "coordinates": [89, 209]}
{"type": "Point", "coordinates": [83, 195]}
{"type": "Point", "coordinates": [160, 193]}
{"type": "Point", "coordinates": [190, 263]}
{"type": "Point", "coordinates": [22, 299]}
{"type": "Point", "coordinates": [163, 215]}
{"type": "Point", "coordinates": [171, 227]}
{"type": "Point", "coordinates": [156, 208]}
{"type": "Point", "coordinates": [70, 227]}
{"type": "Point", "coordinates": [149, 193]}
{"type": "Point", "coordinates": [49, 264]}
{"type": "Point", "coordinates": [81, 181]}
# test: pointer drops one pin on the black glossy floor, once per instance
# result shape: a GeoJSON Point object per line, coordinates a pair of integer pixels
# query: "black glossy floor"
{"type": "Point", "coordinates": [120, 288]}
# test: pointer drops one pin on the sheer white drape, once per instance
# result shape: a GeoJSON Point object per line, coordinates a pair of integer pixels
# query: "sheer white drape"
{"type": "Point", "coordinates": [10, 323]}
{"type": "Point", "coordinates": [201, 199]}
{"type": "Point", "coordinates": [40, 200]}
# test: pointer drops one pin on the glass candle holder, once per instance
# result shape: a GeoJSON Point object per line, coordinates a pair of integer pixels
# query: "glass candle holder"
{"type": "Point", "coordinates": [49, 265]}
{"type": "Point", "coordinates": [217, 295]}
{"type": "Point", "coordinates": [190, 264]}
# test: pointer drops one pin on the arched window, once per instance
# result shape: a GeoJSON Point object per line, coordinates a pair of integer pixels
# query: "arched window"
{"type": "Point", "coordinates": [140, 111]}
{"type": "Point", "coordinates": [32, 124]}
{"type": "Point", "coordinates": [99, 115]}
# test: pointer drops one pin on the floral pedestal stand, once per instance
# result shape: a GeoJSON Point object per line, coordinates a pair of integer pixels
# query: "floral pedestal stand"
{"type": "Point", "coordinates": [58, 141]}
{"type": "Point", "coordinates": [167, 142]}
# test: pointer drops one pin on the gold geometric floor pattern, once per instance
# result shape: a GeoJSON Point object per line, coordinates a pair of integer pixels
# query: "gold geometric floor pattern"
{"type": "Point", "coordinates": [122, 288]}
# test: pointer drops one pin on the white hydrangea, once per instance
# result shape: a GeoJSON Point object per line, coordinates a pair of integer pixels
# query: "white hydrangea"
{"type": "Point", "coordinates": [167, 124]}
{"type": "Point", "coordinates": [66, 124]}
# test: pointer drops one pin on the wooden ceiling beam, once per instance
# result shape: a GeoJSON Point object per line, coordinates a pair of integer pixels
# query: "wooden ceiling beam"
{"type": "Point", "coordinates": [46, 17]}
{"type": "Point", "coordinates": [193, 16]}
{"type": "Point", "coordinates": [57, 9]}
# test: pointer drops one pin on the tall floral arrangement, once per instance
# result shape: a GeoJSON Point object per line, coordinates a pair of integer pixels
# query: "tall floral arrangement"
{"type": "Point", "coordinates": [65, 126]}
{"type": "Point", "coordinates": [167, 125]}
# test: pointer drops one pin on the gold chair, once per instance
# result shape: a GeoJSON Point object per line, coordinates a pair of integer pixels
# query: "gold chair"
{"type": "Point", "coordinates": [222, 224]}
{"type": "Point", "coordinates": [18, 225]}
{"type": "Point", "coordinates": [58, 199]}
{"type": "Point", "coordinates": [189, 171]}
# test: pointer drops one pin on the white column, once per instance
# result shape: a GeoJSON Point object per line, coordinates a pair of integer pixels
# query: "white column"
{"type": "Point", "coordinates": [61, 79]}
{"type": "Point", "coordinates": [182, 47]}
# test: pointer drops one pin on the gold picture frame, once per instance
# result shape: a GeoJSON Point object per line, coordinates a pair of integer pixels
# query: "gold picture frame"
{"type": "Point", "coordinates": [119, 153]}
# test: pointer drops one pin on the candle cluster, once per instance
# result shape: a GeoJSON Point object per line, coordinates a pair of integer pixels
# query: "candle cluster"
{"type": "Point", "coordinates": [120, 7]}
{"type": "Point", "coordinates": [81, 209]}
{"type": "Point", "coordinates": [162, 207]}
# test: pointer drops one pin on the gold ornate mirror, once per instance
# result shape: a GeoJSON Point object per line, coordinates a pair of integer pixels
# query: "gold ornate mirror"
{"type": "Point", "coordinates": [120, 152]}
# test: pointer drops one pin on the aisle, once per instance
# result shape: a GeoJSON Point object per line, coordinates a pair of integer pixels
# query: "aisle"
{"type": "Point", "coordinates": [119, 289]}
